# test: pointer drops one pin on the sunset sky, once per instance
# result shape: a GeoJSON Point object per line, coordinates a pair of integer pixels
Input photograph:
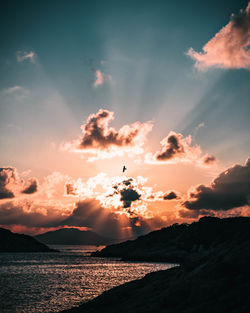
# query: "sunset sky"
{"type": "Point", "coordinates": [86, 87]}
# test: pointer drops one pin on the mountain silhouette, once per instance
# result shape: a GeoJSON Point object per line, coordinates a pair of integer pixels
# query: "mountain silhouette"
{"type": "Point", "coordinates": [11, 242]}
{"type": "Point", "coordinates": [73, 236]}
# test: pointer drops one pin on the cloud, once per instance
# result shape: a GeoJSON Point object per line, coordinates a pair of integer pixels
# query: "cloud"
{"type": "Point", "coordinates": [231, 189]}
{"type": "Point", "coordinates": [175, 148]}
{"type": "Point", "coordinates": [11, 185]}
{"type": "Point", "coordinates": [18, 93]}
{"type": "Point", "coordinates": [13, 89]}
{"type": "Point", "coordinates": [26, 213]}
{"type": "Point", "coordinates": [128, 196]}
{"type": "Point", "coordinates": [24, 55]}
{"type": "Point", "coordinates": [101, 78]}
{"type": "Point", "coordinates": [170, 195]}
{"type": "Point", "coordinates": [8, 178]}
{"type": "Point", "coordinates": [31, 186]}
{"type": "Point", "coordinates": [229, 48]}
{"type": "Point", "coordinates": [209, 159]}
{"type": "Point", "coordinates": [106, 142]}
{"type": "Point", "coordinates": [90, 213]}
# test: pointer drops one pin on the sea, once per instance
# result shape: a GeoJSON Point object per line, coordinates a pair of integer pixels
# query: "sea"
{"type": "Point", "coordinates": [55, 281]}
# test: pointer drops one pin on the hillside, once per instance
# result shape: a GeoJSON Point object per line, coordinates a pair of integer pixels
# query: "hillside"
{"type": "Point", "coordinates": [73, 236]}
{"type": "Point", "coordinates": [214, 278]}
{"type": "Point", "coordinates": [181, 243]}
{"type": "Point", "coordinates": [11, 242]}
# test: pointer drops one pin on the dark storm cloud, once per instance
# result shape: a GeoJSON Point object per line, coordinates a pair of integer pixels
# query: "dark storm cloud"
{"type": "Point", "coordinates": [98, 135]}
{"type": "Point", "coordinates": [172, 146]}
{"type": "Point", "coordinates": [231, 189]}
{"type": "Point", "coordinates": [31, 186]}
{"type": "Point", "coordinates": [170, 195]}
{"type": "Point", "coordinates": [8, 177]}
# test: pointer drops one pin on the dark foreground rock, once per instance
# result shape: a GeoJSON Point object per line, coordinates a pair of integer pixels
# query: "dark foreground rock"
{"type": "Point", "coordinates": [11, 242]}
{"type": "Point", "coordinates": [216, 280]}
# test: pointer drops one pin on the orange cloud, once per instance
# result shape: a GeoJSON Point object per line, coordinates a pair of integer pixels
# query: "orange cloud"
{"type": "Point", "coordinates": [229, 48]}
{"type": "Point", "coordinates": [100, 78]}
{"type": "Point", "coordinates": [106, 142]}
{"type": "Point", "coordinates": [175, 148]}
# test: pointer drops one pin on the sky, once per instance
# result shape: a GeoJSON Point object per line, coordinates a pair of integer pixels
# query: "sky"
{"type": "Point", "coordinates": [87, 87]}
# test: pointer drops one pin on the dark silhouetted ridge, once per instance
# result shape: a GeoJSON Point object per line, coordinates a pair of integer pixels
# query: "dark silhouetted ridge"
{"type": "Point", "coordinates": [73, 236]}
{"type": "Point", "coordinates": [213, 275]}
{"type": "Point", "coordinates": [180, 242]}
{"type": "Point", "coordinates": [11, 242]}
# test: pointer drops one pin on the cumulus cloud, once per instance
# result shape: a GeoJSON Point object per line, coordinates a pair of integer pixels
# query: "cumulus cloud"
{"type": "Point", "coordinates": [106, 142]}
{"type": "Point", "coordinates": [11, 185]}
{"type": "Point", "coordinates": [8, 178]}
{"type": "Point", "coordinates": [24, 55]}
{"type": "Point", "coordinates": [101, 78]}
{"type": "Point", "coordinates": [229, 48]}
{"type": "Point", "coordinates": [175, 148]}
{"type": "Point", "coordinates": [231, 189]}
{"type": "Point", "coordinates": [31, 186]}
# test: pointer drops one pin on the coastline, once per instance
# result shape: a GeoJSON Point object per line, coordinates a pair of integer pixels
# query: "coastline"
{"type": "Point", "coordinates": [215, 280]}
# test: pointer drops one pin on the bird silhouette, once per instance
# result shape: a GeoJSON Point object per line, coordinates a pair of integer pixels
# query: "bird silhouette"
{"type": "Point", "coordinates": [124, 168]}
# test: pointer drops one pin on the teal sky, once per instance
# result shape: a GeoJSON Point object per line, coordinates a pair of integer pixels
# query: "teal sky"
{"type": "Point", "coordinates": [142, 45]}
{"type": "Point", "coordinates": [175, 78]}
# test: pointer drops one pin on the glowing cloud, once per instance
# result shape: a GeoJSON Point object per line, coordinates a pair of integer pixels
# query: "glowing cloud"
{"type": "Point", "coordinates": [229, 48]}
{"type": "Point", "coordinates": [175, 148]}
{"type": "Point", "coordinates": [118, 193]}
{"type": "Point", "coordinates": [106, 142]}
{"type": "Point", "coordinates": [11, 185]}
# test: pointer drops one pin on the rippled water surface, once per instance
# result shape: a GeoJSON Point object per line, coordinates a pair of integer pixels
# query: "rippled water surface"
{"type": "Point", "coordinates": [50, 282]}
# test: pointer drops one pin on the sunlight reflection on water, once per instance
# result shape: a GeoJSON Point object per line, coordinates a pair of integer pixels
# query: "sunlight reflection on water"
{"type": "Point", "coordinates": [50, 282]}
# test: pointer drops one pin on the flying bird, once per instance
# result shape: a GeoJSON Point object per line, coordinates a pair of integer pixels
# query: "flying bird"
{"type": "Point", "coordinates": [124, 168]}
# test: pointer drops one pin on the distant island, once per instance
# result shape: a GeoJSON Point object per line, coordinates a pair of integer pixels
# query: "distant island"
{"type": "Point", "coordinates": [73, 236]}
{"type": "Point", "coordinates": [11, 242]}
{"type": "Point", "coordinates": [213, 276]}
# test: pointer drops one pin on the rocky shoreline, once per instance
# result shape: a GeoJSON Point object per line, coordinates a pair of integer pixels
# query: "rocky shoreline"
{"type": "Point", "coordinates": [213, 278]}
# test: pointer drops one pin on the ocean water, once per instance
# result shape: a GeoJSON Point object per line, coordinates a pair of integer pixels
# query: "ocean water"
{"type": "Point", "coordinates": [50, 282]}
